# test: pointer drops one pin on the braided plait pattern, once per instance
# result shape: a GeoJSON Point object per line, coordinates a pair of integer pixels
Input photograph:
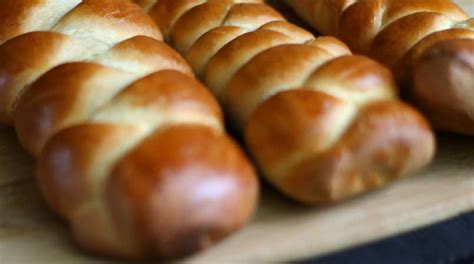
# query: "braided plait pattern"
{"type": "Point", "coordinates": [429, 45]}
{"type": "Point", "coordinates": [322, 125]}
{"type": "Point", "coordinates": [131, 148]}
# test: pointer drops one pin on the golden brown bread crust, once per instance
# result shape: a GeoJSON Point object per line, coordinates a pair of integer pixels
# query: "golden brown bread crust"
{"type": "Point", "coordinates": [322, 125]}
{"type": "Point", "coordinates": [378, 147]}
{"type": "Point", "coordinates": [184, 210]}
{"type": "Point", "coordinates": [402, 34]}
{"type": "Point", "coordinates": [132, 150]}
{"type": "Point", "coordinates": [448, 63]}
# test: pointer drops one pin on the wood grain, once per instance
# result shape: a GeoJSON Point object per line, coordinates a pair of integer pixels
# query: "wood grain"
{"type": "Point", "coordinates": [281, 230]}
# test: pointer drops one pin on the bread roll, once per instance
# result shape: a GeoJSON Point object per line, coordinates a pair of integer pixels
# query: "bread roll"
{"type": "Point", "coordinates": [131, 149]}
{"type": "Point", "coordinates": [428, 44]}
{"type": "Point", "coordinates": [322, 125]}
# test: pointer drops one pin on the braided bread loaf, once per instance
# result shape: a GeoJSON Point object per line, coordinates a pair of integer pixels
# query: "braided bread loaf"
{"type": "Point", "coordinates": [132, 150]}
{"type": "Point", "coordinates": [321, 124]}
{"type": "Point", "coordinates": [429, 44]}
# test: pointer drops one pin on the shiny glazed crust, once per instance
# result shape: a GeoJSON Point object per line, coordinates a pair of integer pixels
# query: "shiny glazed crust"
{"type": "Point", "coordinates": [429, 45]}
{"type": "Point", "coordinates": [322, 125]}
{"type": "Point", "coordinates": [131, 148]}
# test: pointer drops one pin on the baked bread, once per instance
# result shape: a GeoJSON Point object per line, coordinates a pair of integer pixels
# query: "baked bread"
{"type": "Point", "coordinates": [429, 45]}
{"type": "Point", "coordinates": [322, 125]}
{"type": "Point", "coordinates": [132, 150]}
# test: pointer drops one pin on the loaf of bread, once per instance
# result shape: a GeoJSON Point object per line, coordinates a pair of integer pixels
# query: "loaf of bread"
{"type": "Point", "coordinates": [322, 125]}
{"type": "Point", "coordinates": [132, 150]}
{"type": "Point", "coordinates": [429, 45]}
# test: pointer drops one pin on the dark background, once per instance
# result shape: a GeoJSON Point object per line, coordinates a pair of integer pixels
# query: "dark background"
{"type": "Point", "coordinates": [448, 242]}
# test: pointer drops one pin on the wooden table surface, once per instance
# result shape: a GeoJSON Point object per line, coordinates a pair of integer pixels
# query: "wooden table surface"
{"type": "Point", "coordinates": [281, 230]}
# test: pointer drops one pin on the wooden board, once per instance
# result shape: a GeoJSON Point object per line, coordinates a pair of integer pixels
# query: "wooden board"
{"type": "Point", "coordinates": [281, 230]}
